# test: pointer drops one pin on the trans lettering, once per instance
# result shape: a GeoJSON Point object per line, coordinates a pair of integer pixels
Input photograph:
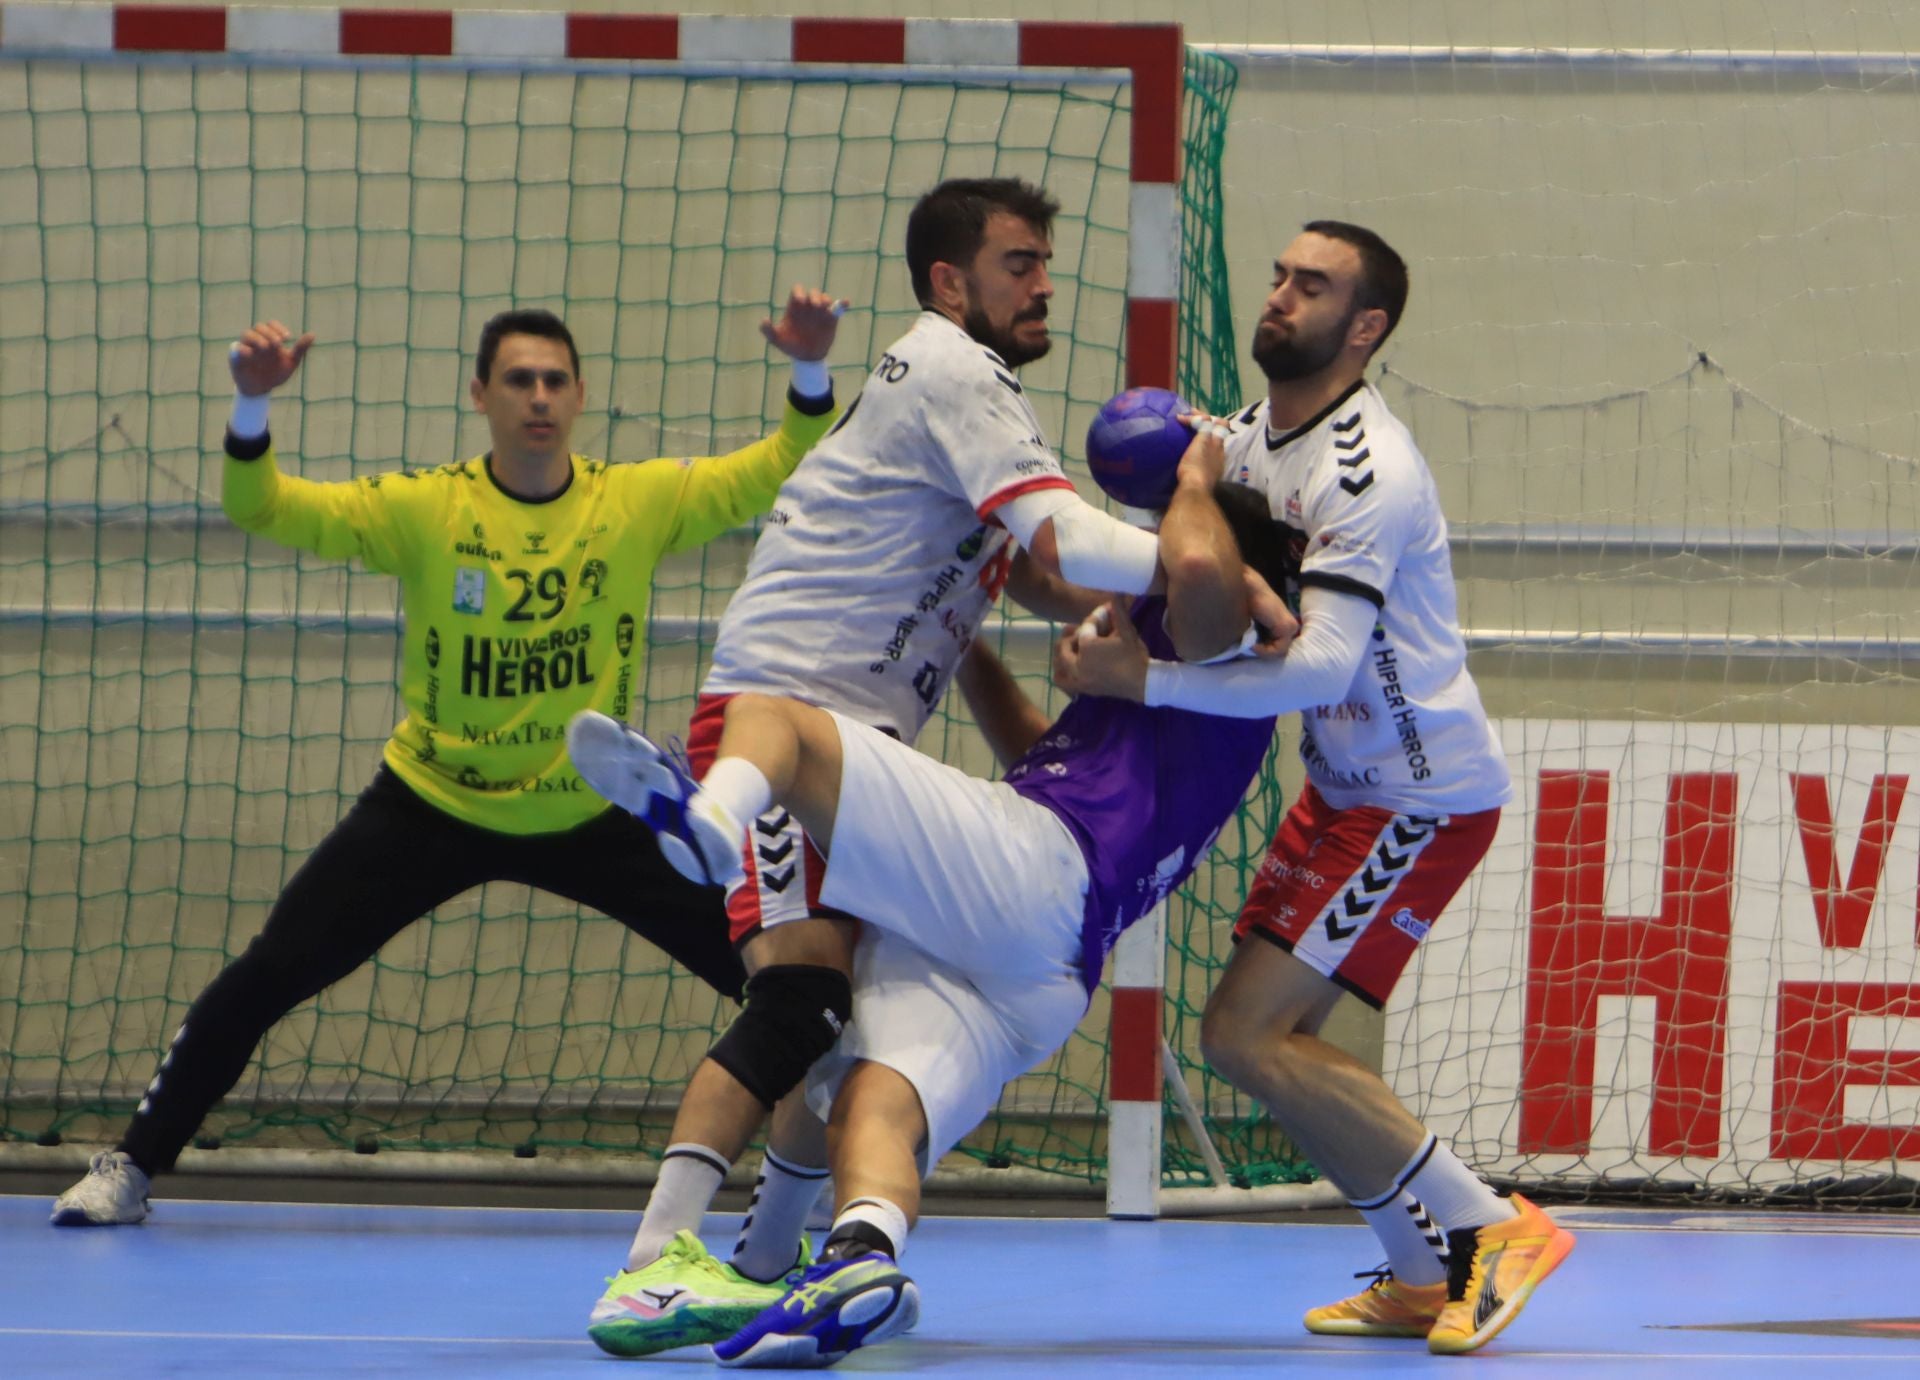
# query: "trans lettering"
{"type": "Point", "coordinates": [504, 667]}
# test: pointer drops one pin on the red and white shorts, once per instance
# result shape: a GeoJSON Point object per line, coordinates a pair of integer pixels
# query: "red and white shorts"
{"type": "Point", "coordinates": [1352, 892]}
{"type": "Point", "coordinates": [784, 869]}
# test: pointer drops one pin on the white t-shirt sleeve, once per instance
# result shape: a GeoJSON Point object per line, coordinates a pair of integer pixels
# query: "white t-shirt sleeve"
{"type": "Point", "coordinates": [1359, 517]}
{"type": "Point", "coordinates": [986, 432]}
{"type": "Point", "coordinates": [1317, 669]}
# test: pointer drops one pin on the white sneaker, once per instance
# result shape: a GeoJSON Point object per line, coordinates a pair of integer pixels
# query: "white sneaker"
{"type": "Point", "coordinates": [698, 836]}
{"type": "Point", "coordinates": [114, 1193]}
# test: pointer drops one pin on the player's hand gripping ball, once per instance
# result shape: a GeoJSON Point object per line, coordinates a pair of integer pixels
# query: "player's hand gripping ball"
{"type": "Point", "coordinates": [1135, 444]}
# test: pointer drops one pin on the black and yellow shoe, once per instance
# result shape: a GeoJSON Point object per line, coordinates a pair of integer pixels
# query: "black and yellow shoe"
{"type": "Point", "coordinates": [1491, 1273]}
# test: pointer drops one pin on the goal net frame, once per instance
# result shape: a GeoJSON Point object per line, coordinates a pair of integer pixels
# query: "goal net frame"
{"type": "Point", "coordinates": [1148, 57]}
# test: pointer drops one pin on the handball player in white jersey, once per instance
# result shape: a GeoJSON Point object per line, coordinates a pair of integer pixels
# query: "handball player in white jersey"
{"type": "Point", "coordinates": [881, 556]}
{"type": "Point", "coordinates": [1405, 781]}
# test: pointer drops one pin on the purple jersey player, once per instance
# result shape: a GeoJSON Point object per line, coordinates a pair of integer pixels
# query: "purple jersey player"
{"type": "Point", "coordinates": [1121, 778]}
{"type": "Point", "coordinates": [989, 907]}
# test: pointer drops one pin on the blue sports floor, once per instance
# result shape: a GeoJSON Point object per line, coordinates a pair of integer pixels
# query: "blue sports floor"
{"type": "Point", "coordinates": [243, 1290]}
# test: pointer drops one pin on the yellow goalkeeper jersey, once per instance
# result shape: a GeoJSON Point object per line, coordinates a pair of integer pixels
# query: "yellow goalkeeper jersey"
{"type": "Point", "coordinates": [518, 614]}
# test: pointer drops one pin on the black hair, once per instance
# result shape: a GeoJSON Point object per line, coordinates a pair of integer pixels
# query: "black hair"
{"type": "Point", "coordinates": [1383, 273]}
{"type": "Point", "coordinates": [949, 224]}
{"type": "Point", "coordinates": [1262, 541]}
{"type": "Point", "coordinates": [525, 321]}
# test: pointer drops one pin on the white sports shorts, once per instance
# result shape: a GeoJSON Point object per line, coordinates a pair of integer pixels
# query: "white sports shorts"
{"type": "Point", "coordinates": [968, 969]}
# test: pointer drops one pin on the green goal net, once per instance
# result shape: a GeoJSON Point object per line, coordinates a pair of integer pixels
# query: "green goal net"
{"type": "Point", "coordinates": [184, 713]}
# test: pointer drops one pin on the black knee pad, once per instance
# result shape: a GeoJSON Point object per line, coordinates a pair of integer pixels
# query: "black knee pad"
{"type": "Point", "coordinates": [793, 1015]}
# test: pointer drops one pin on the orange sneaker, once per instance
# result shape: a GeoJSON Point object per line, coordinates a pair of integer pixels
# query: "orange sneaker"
{"type": "Point", "coordinates": [1385, 1308]}
{"type": "Point", "coordinates": [1491, 1273]}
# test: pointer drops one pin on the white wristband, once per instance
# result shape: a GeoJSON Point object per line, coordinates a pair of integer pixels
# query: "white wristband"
{"type": "Point", "coordinates": [812, 378]}
{"type": "Point", "coordinates": [249, 420]}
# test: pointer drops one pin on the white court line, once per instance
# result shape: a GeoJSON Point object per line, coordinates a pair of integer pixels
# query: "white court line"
{"type": "Point", "coordinates": [1724, 1221]}
{"type": "Point", "coordinates": [1713, 1221]}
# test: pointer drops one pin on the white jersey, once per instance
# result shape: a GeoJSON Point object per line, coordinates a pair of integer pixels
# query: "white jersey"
{"type": "Point", "coordinates": [1363, 517]}
{"type": "Point", "coordinates": [881, 555]}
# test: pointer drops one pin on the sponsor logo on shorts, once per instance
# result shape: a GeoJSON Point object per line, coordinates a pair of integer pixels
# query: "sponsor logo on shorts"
{"type": "Point", "coordinates": [1280, 870]}
{"type": "Point", "coordinates": [1409, 924]}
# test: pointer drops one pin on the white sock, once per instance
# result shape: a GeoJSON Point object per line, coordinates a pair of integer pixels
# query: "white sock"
{"type": "Point", "coordinates": [689, 1177]}
{"type": "Point", "coordinates": [1416, 1247]}
{"type": "Point", "coordinates": [738, 787]}
{"type": "Point", "coordinates": [1454, 1195]}
{"type": "Point", "coordinates": [782, 1200]}
{"type": "Point", "coordinates": [881, 1216]}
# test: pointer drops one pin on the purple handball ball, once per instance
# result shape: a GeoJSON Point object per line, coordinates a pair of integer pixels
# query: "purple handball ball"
{"type": "Point", "coordinates": [1135, 444]}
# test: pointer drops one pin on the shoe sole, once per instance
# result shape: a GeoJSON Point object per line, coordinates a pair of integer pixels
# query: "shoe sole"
{"type": "Point", "coordinates": [683, 859]}
{"type": "Point", "coordinates": [682, 1327]}
{"type": "Point", "coordinates": [860, 1320]}
{"type": "Point", "coordinates": [612, 761]}
{"type": "Point", "coordinates": [1559, 1246]}
{"type": "Point", "coordinates": [1356, 1328]}
{"type": "Point", "coordinates": [77, 1217]}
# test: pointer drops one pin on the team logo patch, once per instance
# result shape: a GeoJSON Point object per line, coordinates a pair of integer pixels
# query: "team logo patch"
{"type": "Point", "coordinates": [592, 574]}
{"type": "Point", "coordinates": [469, 590]}
{"type": "Point", "coordinates": [1409, 924]}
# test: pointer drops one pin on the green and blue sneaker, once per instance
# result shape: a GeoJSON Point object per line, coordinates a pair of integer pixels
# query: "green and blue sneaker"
{"type": "Point", "coordinates": [833, 1309]}
{"type": "Point", "coordinates": [685, 1298]}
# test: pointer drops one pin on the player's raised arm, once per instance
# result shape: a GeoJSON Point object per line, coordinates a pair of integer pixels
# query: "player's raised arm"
{"type": "Point", "coordinates": [724, 491]}
{"type": "Point", "coordinates": [805, 329]}
{"type": "Point", "coordinates": [339, 520]}
{"type": "Point", "coordinates": [264, 357]}
{"type": "Point", "coordinates": [1206, 589]}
